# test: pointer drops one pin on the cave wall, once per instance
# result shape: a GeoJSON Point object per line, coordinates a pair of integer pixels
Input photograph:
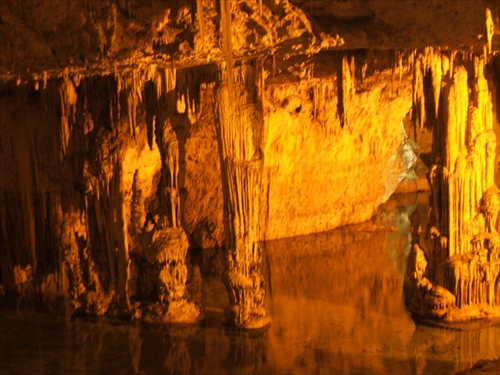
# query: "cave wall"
{"type": "Point", "coordinates": [90, 171]}
{"type": "Point", "coordinates": [113, 119]}
{"type": "Point", "coordinates": [327, 169]}
{"type": "Point", "coordinates": [312, 163]}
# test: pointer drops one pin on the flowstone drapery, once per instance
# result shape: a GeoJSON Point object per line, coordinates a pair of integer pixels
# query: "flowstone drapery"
{"type": "Point", "coordinates": [456, 276]}
{"type": "Point", "coordinates": [240, 129]}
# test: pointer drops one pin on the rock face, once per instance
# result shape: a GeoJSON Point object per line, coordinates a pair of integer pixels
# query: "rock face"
{"type": "Point", "coordinates": [132, 130]}
{"type": "Point", "coordinates": [356, 129]}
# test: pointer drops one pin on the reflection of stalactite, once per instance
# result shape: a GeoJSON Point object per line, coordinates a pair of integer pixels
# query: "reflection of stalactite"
{"type": "Point", "coordinates": [178, 360]}
{"type": "Point", "coordinates": [468, 347]}
{"type": "Point", "coordinates": [135, 346]}
{"type": "Point", "coordinates": [178, 349]}
{"type": "Point", "coordinates": [246, 353]}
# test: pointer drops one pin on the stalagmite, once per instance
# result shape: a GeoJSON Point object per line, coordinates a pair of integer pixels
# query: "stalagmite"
{"type": "Point", "coordinates": [158, 274]}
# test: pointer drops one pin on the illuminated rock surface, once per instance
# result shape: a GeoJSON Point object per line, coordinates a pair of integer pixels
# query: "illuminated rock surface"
{"type": "Point", "coordinates": [134, 131]}
{"type": "Point", "coordinates": [456, 273]}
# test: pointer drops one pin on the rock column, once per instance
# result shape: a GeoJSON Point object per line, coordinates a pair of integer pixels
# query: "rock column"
{"type": "Point", "coordinates": [461, 265]}
{"type": "Point", "coordinates": [240, 130]}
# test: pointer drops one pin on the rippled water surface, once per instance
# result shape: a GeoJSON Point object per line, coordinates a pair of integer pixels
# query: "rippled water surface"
{"type": "Point", "coordinates": [337, 305]}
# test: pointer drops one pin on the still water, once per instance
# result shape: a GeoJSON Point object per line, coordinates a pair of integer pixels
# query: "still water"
{"type": "Point", "coordinates": [337, 304]}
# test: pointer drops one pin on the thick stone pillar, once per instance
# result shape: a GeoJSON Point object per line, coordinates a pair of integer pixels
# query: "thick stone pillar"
{"type": "Point", "coordinates": [456, 275]}
{"type": "Point", "coordinates": [240, 131]}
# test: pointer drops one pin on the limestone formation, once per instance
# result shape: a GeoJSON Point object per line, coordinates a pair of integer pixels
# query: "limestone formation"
{"type": "Point", "coordinates": [161, 272]}
{"type": "Point", "coordinates": [241, 136]}
{"type": "Point", "coordinates": [456, 277]}
{"type": "Point", "coordinates": [429, 300]}
{"type": "Point", "coordinates": [132, 131]}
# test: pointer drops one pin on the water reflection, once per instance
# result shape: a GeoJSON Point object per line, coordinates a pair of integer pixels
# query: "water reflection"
{"type": "Point", "coordinates": [247, 353]}
{"type": "Point", "coordinates": [171, 350]}
{"type": "Point", "coordinates": [431, 349]}
{"type": "Point", "coordinates": [337, 307]}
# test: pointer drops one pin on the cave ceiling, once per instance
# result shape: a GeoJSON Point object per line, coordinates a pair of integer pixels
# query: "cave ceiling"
{"type": "Point", "coordinates": [47, 37]}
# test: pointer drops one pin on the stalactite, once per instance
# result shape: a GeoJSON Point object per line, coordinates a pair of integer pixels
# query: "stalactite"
{"type": "Point", "coordinates": [452, 61]}
{"type": "Point", "coordinates": [68, 100]}
{"type": "Point", "coordinates": [321, 97]}
{"type": "Point", "coordinates": [227, 34]}
{"type": "Point", "coordinates": [132, 82]}
{"type": "Point", "coordinates": [418, 93]}
{"type": "Point", "coordinates": [344, 86]}
{"type": "Point", "coordinates": [400, 66]}
{"type": "Point", "coordinates": [199, 8]}
{"type": "Point", "coordinates": [437, 76]}
{"type": "Point", "coordinates": [171, 162]}
{"type": "Point", "coordinates": [490, 29]}
{"type": "Point", "coordinates": [189, 81]}
{"type": "Point", "coordinates": [44, 79]}
{"type": "Point", "coordinates": [151, 108]}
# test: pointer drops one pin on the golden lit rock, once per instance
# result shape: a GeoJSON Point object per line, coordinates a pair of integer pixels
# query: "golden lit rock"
{"type": "Point", "coordinates": [455, 278]}
{"type": "Point", "coordinates": [133, 134]}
